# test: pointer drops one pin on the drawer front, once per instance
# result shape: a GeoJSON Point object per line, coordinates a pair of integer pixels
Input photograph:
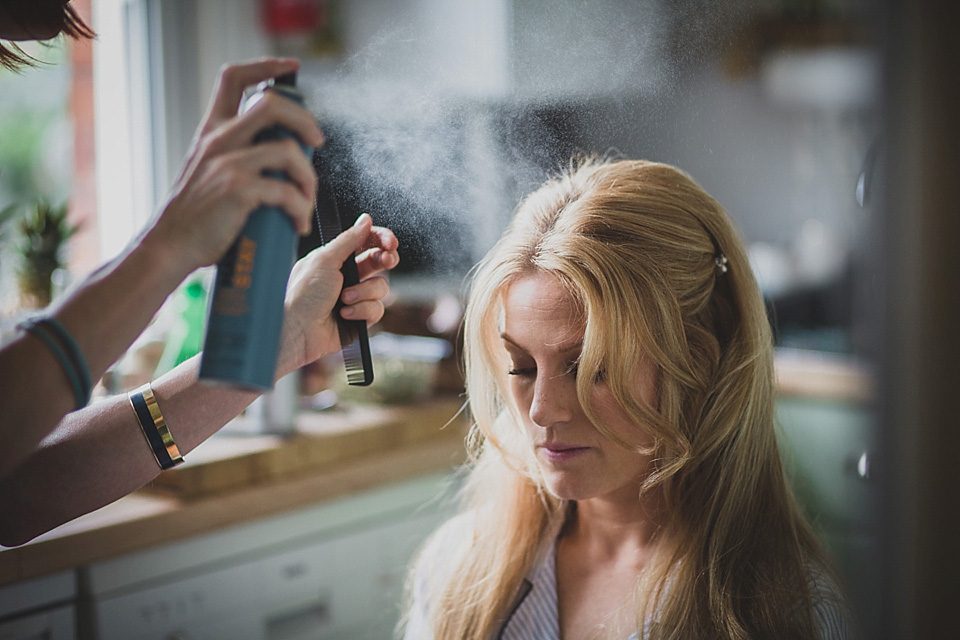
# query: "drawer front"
{"type": "Point", "coordinates": [828, 450]}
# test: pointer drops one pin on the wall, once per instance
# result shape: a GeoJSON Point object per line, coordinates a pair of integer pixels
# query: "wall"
{"type": "Point", "coordinates": [772, 166]}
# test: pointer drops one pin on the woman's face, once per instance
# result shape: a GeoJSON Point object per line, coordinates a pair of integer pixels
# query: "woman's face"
{"type": "Point", "coordinates": [543, 338]}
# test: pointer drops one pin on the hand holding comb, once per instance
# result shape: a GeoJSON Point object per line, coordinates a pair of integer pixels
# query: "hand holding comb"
{"type": "Point", "coordinates": [353, 333]}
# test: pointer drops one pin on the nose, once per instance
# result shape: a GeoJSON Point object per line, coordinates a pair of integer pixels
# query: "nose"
{"type": "Point", "coordinates": [554, 399]}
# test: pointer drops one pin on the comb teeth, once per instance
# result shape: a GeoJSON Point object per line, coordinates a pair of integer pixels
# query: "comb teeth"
{"type": "Point", "coordinates": [356, 351]}
{"type": "Point", "coordinates": [353, 360]}
{"type": "Point", "coordinates": [329, 224]}
{"type": "Point", "coordinates": [354, 342]}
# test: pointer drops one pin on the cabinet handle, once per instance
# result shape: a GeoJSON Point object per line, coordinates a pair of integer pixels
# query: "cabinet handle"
{"type": "Point", "coordinates": [861, 466]}
{"type": "Point", "coordinates": [301, 623]}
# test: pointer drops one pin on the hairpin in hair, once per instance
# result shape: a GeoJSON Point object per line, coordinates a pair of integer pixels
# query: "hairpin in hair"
{"type": "Point", "coordinates": [721, 262]}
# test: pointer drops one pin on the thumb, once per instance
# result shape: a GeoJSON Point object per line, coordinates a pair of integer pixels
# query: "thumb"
{"type": "Point", "coordinates": [351, 240]}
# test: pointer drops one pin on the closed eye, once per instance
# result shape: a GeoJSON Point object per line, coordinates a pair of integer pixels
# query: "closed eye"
{"type": "Point", "coordinates": [523, 371]}
{"type": "Point", "coordinates": [574, 368]}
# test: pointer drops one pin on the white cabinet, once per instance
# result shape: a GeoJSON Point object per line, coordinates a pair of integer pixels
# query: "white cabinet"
{"type": "Point", "coordinates": [212, 603]}
{"type": "Point", "coordinates": [41, 609]}
{"type": "Point", "coordinates": [332, 571]}
{"type": "Point", "coordinates": [347, 587]}
{"type": "Point", "coordinates": [50, 624]}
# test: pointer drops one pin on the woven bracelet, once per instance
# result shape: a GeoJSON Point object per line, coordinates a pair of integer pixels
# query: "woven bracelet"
{"type": "Point", "coordinates": [73, 351]}
{"type": "Point", "coordinates": [68, 354]}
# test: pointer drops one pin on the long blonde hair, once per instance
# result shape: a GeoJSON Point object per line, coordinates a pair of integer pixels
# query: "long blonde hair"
{"type": "Point", "coordinates": [659, 270]}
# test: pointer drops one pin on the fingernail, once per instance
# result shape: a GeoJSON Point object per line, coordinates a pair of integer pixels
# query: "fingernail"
{"type": "Point", "coordinates": [348, 312]}
{"type": "Point", "coordinates": [349, 296]}
{"type": "Point", "coordinates": [361, 218]}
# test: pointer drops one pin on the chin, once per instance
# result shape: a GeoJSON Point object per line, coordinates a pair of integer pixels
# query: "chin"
{"type": "Point", "coordinates": [567, 488]}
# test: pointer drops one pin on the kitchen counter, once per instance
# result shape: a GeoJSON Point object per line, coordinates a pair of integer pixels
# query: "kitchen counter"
{"type": "Point", "coordinates": [823, 376]}
{"type": "Point", "coordinates": [258, 477]}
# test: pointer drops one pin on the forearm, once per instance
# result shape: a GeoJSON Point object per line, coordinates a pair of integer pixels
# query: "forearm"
{"type": "Point", "coordinates": [99, 454]}
{"type": "Point", "coordinates": [104, 315]}
{"type": "Point", "coordinates": [115, 303]}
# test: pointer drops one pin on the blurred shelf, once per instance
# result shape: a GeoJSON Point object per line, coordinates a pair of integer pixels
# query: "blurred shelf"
{"type": "Point", "coordinates": [822, 376]}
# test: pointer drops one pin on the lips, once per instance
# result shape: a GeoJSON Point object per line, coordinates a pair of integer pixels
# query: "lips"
{"type": "Point", "coordinates": [561, 452]}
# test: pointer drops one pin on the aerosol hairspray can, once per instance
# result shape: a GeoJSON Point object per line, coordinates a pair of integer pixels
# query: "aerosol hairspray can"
{"type": "Point", "coordinates": [246, 309]}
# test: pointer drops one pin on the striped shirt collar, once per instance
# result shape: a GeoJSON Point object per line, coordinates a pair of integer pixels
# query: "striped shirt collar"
{"type": "Point", "coordinates": [534, 614]}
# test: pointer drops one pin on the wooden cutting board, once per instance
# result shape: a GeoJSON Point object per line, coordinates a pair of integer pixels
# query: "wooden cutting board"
{"type": "Point", "coordinates": [323, 439]}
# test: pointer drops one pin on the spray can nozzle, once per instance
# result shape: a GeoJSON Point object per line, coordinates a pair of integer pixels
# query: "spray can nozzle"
{"type": "Point", "coordinates": [286, 80]}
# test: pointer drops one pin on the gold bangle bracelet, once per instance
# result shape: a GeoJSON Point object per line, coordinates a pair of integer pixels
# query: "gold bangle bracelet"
{"type": "Point", "coordinates": [154, 427]}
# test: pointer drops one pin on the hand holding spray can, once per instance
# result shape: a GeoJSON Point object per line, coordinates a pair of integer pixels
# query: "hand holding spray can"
{"type": "Point", "coordinates": [246, 309]}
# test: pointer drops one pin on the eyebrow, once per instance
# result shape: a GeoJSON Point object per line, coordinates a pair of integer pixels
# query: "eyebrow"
{"type": "Point", "coordinates": [574, 346]}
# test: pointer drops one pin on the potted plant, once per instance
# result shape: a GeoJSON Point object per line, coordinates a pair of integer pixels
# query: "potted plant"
{"type": "Point", "coordinates": [43, 233]}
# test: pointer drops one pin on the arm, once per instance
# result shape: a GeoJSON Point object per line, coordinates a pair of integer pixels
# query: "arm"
{"type": "Point", "coordinates": [99, 454]}
{"type": "Point", "coordinates": [220, 185]}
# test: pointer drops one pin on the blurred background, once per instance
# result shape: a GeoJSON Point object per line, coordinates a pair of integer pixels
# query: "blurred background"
{"type": "Point", "coordinates": [825, 127]}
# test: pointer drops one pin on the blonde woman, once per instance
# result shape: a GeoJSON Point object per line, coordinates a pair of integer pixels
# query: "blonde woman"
{"type": "Point", "coordinates": [625, 480]}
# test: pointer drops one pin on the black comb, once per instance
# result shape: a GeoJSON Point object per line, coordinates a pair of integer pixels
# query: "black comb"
{"type": "Point", "coordinates": [353, 333]}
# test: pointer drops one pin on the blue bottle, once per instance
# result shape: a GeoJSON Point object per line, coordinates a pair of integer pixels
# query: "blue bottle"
{"type": "Point", "coordinates": [246, 308]}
